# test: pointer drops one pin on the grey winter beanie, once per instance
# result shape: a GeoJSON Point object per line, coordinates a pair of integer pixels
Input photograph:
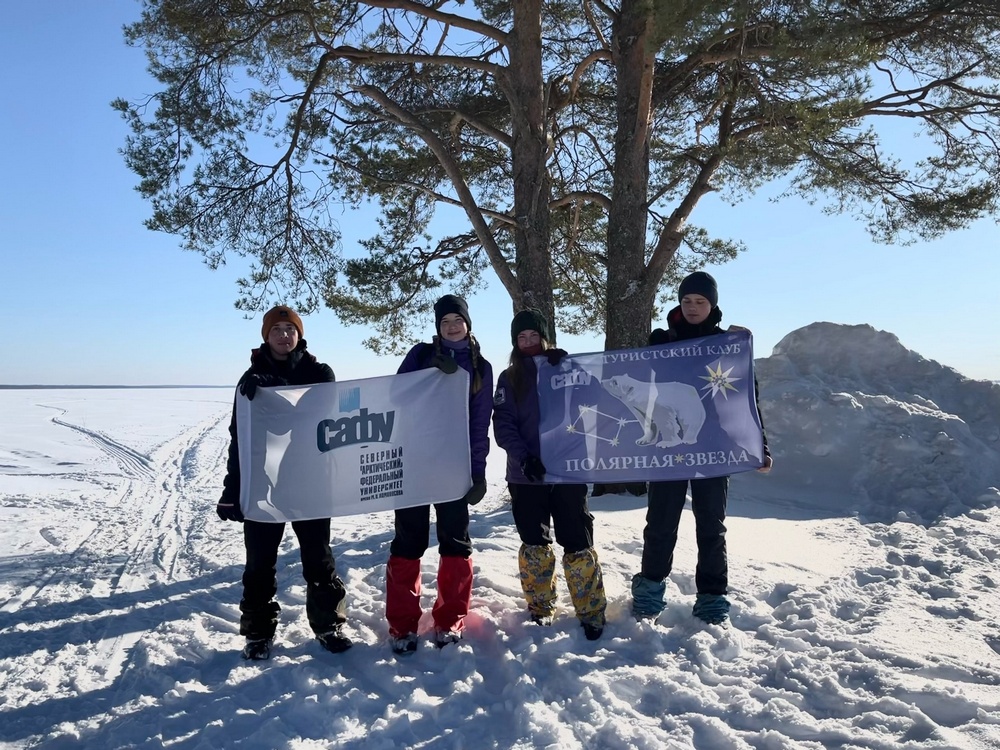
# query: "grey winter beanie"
{"type": "Point", "coordinates": [529, 320]}
{"type": "Point", "coordinates": [451, 303]}
{"type": "Point", "coordinates": [701, 283]}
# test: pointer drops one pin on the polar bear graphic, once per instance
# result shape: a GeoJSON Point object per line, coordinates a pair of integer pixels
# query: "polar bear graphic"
{"type": "Point", "coordinates": [671, 411]}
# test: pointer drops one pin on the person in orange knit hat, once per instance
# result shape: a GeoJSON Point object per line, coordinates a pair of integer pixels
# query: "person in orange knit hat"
{"type": "Point", "coordinates": [282, 360]}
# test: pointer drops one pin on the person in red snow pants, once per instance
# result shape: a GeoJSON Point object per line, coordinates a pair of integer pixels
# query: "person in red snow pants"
{"type": "Point", "coordinates": [452, 347]}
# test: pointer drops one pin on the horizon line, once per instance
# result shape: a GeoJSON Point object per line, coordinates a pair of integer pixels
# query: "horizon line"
{"type": "Point", "coordinates": [38, 386]}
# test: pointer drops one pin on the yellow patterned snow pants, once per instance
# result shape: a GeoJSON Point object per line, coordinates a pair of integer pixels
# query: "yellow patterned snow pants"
{"type": "Point", "coordinates": [537, 565]}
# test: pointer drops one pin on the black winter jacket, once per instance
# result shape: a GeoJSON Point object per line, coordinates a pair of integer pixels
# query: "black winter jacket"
{"type": "Point", "coordinates": [301, 368]}
{"type": "Point", "coordinates": [678, 329]}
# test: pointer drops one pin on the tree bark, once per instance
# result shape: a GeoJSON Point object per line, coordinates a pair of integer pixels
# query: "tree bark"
{"type": "Point", "coordinates": [629, 295]}
{"type": "Point", "coordinates": [532, 187]}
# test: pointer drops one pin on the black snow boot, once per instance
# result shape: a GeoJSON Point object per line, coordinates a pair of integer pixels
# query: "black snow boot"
{"type": "Point", "coordinates": [257, 649]}
{"type": "Point", "coordinates": [334, 640]}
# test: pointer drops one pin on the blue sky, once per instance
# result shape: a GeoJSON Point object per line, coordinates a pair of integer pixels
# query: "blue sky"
{"type": "Point", "coordinates": [89, 296]}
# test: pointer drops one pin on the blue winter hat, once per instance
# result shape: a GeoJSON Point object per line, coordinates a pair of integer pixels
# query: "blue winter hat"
{"type": "Point", "coordinates": [701, 283]}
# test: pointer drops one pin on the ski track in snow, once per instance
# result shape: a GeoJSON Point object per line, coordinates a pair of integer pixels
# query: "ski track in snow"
{"type": "Point", "coordinates": [131, 639]}
{"type": "Point", "coordinates": [131, 462]}
{"type": "Point", "coordinates": [145, 544]}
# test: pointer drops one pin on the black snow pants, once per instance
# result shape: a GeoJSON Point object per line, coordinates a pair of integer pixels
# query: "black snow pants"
{"type": "Point", "coordinates": [708, 502]}
{"type": "Point", "coordinates": [326, 596]}
{"type": "Point", "coordinates": [540, 509]}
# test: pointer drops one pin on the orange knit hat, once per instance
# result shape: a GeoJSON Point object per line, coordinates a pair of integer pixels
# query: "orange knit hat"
{"type": "Point", "coordinates": [280, 314]}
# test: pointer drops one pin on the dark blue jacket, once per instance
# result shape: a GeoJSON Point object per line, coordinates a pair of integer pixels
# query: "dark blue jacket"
{"type": "Point", "coordinates": [515, 423]}
{"type": "Point", "coordinates": [480, 403]}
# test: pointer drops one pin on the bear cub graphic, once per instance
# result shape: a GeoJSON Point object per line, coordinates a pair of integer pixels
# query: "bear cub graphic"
{"type": "Point", "coordinates": [672, 411]}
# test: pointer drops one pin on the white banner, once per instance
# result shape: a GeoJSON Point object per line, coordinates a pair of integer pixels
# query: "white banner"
{"type": "Point", "coordinates": [360, 446]}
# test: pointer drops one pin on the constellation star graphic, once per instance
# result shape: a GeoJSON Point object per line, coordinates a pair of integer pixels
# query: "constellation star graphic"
{"type": "Point", "coordinates": [591, 409]}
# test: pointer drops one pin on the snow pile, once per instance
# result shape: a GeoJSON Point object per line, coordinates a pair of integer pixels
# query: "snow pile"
{"type": "Point", "coordinates": [860, 424]}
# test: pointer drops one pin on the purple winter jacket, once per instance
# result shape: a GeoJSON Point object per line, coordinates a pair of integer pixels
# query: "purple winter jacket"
{"type": "Point", "coordinates": [515, 423]}
{"type": "Point", "coordinates": [480, 403]}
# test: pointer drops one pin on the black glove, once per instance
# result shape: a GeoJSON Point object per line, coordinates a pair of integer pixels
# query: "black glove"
{"type": "Point", "coordinates": [477, 493]}
{"type": "Point", "coordinates": [253, 381]}
{"type": "Point", "coordinates": [229, 511]}
{"type": "Point", "coordinates": [659, 336]}
{"type": "Point", "coordinates": [554, 356]}
{"type": "Point", "coordinates": [533, 469]}
{"type": "Point", "coordinates": [444, 363]}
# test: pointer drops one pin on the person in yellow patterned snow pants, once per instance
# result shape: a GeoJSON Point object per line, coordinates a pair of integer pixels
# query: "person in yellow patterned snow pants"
{"type": "Point", "coordinates": [542, 509]}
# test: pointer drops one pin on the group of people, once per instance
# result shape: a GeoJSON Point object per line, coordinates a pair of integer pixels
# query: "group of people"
{"type": "Point", "coordinates": [543, 512]}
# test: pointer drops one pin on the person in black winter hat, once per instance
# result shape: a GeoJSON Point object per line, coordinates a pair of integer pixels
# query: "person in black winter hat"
{"type": "Point", "coordinates": [542, 510]}
{"type": "Point", "coordinates": [529, 320]}
{"type": "Point", "coordinates": [451, 304]}
{"type": "Point", "coordinates": [701, 283]}
{"type": "Point", "coordinates": [697, 315]}
{"type": "Point", "coordinates": [282, 360]}
{"type": "Point", "coordinates": [452, 348]}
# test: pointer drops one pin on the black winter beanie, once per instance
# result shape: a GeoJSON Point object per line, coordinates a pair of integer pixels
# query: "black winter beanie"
{"type": "Point", "coordinates": [701, 283]}
{"type": "Point", "coordinates": [529, 320]}
{"type": "Point", "coordinates": [451, 303]}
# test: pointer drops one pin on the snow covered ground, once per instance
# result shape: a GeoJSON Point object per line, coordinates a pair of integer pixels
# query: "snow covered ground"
{"type": "Point", "coordinates": [862, 617]}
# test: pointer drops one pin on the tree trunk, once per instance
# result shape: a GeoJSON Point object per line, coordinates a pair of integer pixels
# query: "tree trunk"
{"type": "Point", "coordinates": [532, 187]}
{"type": "Point", "coordinates": [629, 297]}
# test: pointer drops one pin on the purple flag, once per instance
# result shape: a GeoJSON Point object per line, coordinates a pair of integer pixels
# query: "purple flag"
{"type": "Point", "coordinates": [684, 410]}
